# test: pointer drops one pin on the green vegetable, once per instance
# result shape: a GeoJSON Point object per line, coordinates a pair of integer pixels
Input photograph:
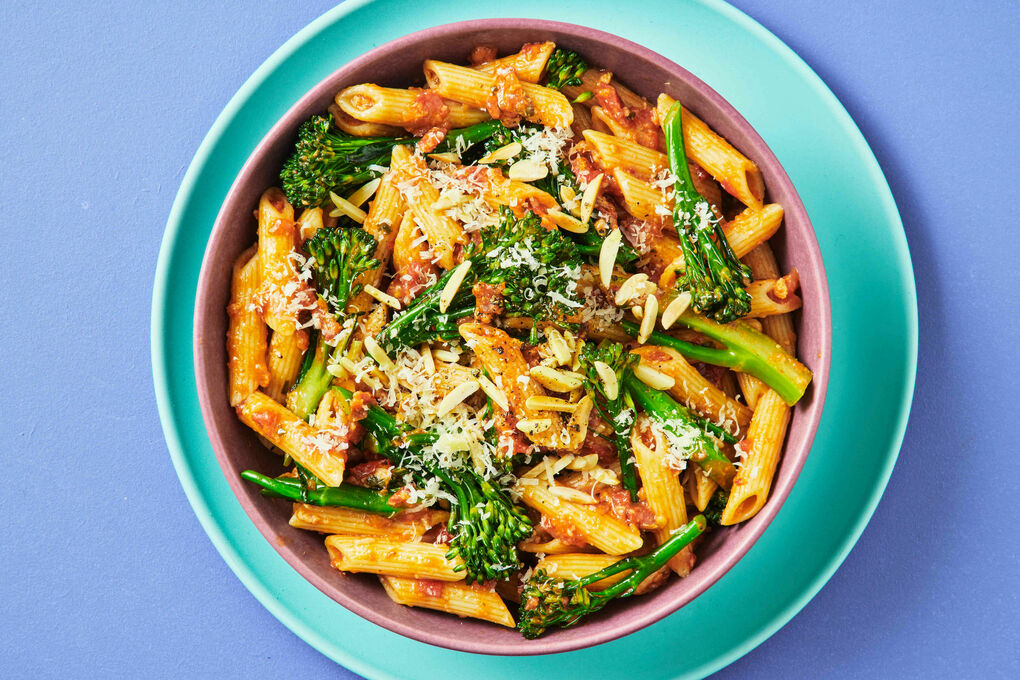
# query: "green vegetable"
{"type": "Point", "coordinates": [547, 601]}
{"type": "Point", "coordinates": [538, 267]}
{"type": "Point", "coordinates": [618, 411]}
{"type": "Point", "coordinates": [715, 507]}
{"type": "Point", "coordinates": [685, 427]}
{"type": "Point", "coordinates": [313, 379]}
{"type": "Point", "coordinates": [485, 524]}
{"type": "Point", "coordinates": [564, 68]}
{"type": "Point", "coordinates": [345, 495]}
{"type": "Point", "coordinates": [744, 349]}
{"type": "Point", "coordinates": [326, 159]}
{"type": "Point", "coordinates": [712, 272]}
{"type": "Point", "coordinates": [341, 254]}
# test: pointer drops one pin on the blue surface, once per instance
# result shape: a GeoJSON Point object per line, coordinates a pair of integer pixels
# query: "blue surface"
{"type": "Point", "coordinates": [106, 570]}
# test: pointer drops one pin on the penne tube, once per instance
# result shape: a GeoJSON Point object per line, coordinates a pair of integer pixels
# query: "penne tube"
{"type": "Point", "coordinates": [475, 601]}
{"type": "Point", "coordinates": [662, 490]}
{"type": "Point", "coordinates": [642, 200]}
{"type": "Point", "coordinates": [768, 299]}
{"type": "Point", "coordinates": [384, 556]}
{"type": "Point", "coordinates": [763, 265]}
{"type": "Point", "coordinates": [592, 77]}
{"type": "Point", "coordinates": [694, 390]}
{"type": "Point", "coordinates": [575, 565]}
{"type": "Point", "coordinates": [322, 451]}
{"type": "Point", "coordinates": [605, 532]}
{"type": "Point", "coordinates": [311, 221]}
{"type": "Point", "coordinates": [276, 268]}
{"type": "Point", "coordinates": [411, 174]}
{"type": "Point", "coordinates": [763, 445]}
{"type": "Point", "coordinates": [529, 62]}
{"type": "Point", "coordinates": [473, 88]}
{"type": "Point", "coordinates": [752, 227]}
{"type": "Point", "coordinates": [737, 174]}
{"type": "Point", "coordinates": [286, 353]}
{"type": "Point", "coordinates": [360, 128]}
{"type": "Point", "coordinates": [619, 152]}
{"type": "Point", "coordinates": [354, 522]}
{"type": "Point", "coordinates": [394, 107]}
{"type": "Point", "coordinates": [246, 332]}
{"type": "Point", "coordinates": [699, 487]}
{"type": "Point", "coordinates": [385, 216]}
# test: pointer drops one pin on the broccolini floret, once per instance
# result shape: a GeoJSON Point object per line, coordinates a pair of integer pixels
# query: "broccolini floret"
{"type": "Point", "coordinates": [564, 68]}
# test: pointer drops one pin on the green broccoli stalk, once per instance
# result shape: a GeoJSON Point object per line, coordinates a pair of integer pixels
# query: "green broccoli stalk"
{"type": "Point", "coordinates": [685, 430]}
{"type": "Point", "coordinates": [485, 524]}
{"type": "Point", "coordinates": [712, 272]}
{"type": "Point", "coordinates": [326, 159]}
{"type": "Point", "coordinates": [539, 268]}
{"type": "Point", "coordinates": [743, 349]}
{"type": "Point", "coordinates": [715, 507]}
{"type": "Point", "coordinates": [345, 495]}
{"type": "Point", "coordinates": [341, 255]}
{"type": "Point", "coordinates": [564, 67]}
{"type": "Point", "coordinates": [547, 601]}
{"type": "Point", "coordinates": [617, 408]}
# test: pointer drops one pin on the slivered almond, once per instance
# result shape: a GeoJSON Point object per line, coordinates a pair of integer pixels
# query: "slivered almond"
{"type": "Point", "coordinates": [571, 340]}
{"type": "Point", "coordinates": [675, 308]}
{"type": "Point", "coordinates": [572, 495]}
{"type": "Point", "coordinates": [445, 157]}
{"type": "Point", "coordinates": [457, 395]}
{"type": "Point", "coordinates": [503, 153]}
{"type": "Point", "coordinates": [588, 462]}
{"type": "Point", "coordinates": [657, 380]}
{"type": "Point", "coordinates": [637, 311]}
{"type": "Point", "coordinates": [550, 404]}
{"type": "Point", "coordinates": [446, 355]}
{"type": "Point", "coordinates": [382, 297]}
{"type": "Point", "coordinates": [376, 352]}
{"type": "Point", "coordinates": [534, 425]}
{"type": "Point", "coordinates": [365, 192]}
{"type": "Point", "coordinates": [609, 380]}
{"type": "Point", "coordinates": [337, 371]}
{"type": "Point", "coordinates": [648, 319]}
{"type": "Point", "coordinates": [567, 196]}
{"type": "Point", "coordinates": [556, 380]}
{"type": "Point", "coordinates": [558, 345]}
{"type": "Point", "coordinates": [426, 355]}
{"type": "Point", "coordinates": [591, 192]}
{"type": "Point", "coordinates": [345, 207]}
{"type": "Point", "coordinates": [453, 285]}
{"type": "Point", "coordinates": [631, 288]}
{"type": "Point", "coordinates": [567, 222]}
{"type": "Point", "coordinates": [607, 256]}
{"type": "Point", "coordinates": [527, 170]}
{"type": "Point", "coordinates": [494, 393]}
{"type": "Point", "coordinates": [576, 363]}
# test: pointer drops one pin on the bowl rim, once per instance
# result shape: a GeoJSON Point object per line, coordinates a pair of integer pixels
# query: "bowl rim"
{"type": "Point", "coordinates": [775, 175]}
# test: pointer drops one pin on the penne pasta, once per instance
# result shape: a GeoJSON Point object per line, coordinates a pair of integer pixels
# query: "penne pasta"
{"type": "Point", "coordinates": [474, 601]}
{"type": "Point", "coordinates": [764, 441]}
{"type": "Point", "coordinates": [388, 557]}
{"type": "Point", "coordinates": [662, 490]}
{"type": "Point", "coordinates": [575, 565]}
{"type": "Point", "coordinates": [605, 532]}
{"type": "Point", "coordinates": [473, 88]}
{"type": "Point", "coordinates": [353, 522]}
{"type": "Point", "coordinates": [411, 176]}
{"type": "Point", "coordinates": [528, 63]}
{"type": "Point", "coordinates": [394, 107]}
{"type": "Point", "coordinates": [286, 353]}
{"type": "Point", "coordinates": [246, 333]}
{"type": "Point", "coordinates": [322, 451]}
{"type": "Point", "coordinates": [738, 176]}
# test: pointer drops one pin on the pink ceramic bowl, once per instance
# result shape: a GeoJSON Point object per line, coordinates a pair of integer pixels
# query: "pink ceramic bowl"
{"type": "Point", "coordinates": [398, 63]}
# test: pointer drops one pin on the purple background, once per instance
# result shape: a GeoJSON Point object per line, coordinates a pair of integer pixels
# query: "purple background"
{"type": "Point", "coordinates": [105, 571]}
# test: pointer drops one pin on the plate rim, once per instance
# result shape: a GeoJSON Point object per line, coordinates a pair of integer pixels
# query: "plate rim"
{"type": "Point", "coordinates": [224, 546]}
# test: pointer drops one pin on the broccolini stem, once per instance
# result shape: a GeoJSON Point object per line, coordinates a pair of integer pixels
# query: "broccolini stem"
{"type": "Point", "coordinates": [745, 349]}
{"type": "Point", "coordinates": [346, 495]}
{"type": "Point", "coordinates": [672, 416]}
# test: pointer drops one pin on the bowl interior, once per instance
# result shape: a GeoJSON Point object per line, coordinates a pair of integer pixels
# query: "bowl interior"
{"type": "Point", "coordinates": [399, 64]}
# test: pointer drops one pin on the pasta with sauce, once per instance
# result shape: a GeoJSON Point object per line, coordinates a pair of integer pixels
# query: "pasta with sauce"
{"type": "Point", "coordinates": [496, 326]}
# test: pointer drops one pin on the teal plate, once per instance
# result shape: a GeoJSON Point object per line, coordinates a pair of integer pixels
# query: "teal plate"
{"type": "Point", "coordinates": [871, 288]}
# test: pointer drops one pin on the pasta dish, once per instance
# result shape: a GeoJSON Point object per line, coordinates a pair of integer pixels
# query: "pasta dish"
{"type": "Point", "coordinates": [518, 336]}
